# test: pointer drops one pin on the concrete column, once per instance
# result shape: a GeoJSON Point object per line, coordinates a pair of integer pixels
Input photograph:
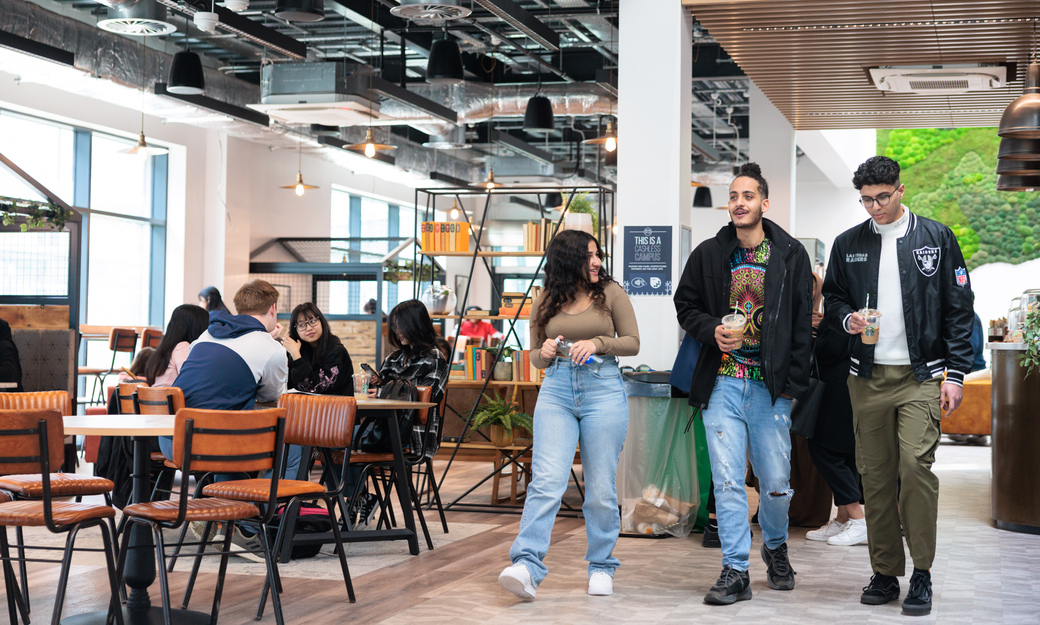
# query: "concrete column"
{"type": "Point", "coordinates": [654, 111]}
{"type": "Point", "coordinates": [772, 146]}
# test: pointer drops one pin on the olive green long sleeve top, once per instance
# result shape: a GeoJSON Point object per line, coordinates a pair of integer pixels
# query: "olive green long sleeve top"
{"type": "Point", "coordinates": [614, 331]}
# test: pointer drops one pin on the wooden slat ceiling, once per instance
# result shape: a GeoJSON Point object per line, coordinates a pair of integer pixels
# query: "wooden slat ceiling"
{"type": "Point", "coordinates": [810, 57]}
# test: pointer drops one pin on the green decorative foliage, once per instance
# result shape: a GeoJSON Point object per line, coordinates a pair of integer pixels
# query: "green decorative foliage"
{"type": "Point", "coordinates": [1031, 337]}
{"type": "Point", "coordinates": [504, 412]}
{"type": "Point", "coordinates": [950, 177]}
{"type": "Point", "coordinates": [32, 214]}
{"type": "Point", "coordinates": [580, 203]}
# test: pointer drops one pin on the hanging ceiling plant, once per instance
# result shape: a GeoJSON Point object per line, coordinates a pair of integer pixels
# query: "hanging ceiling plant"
{"type": "Point", "coordinates": [32, 214]}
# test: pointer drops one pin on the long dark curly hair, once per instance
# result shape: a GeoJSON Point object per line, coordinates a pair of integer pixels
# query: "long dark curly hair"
{"type": "Point", "coordinates": [567, 274]}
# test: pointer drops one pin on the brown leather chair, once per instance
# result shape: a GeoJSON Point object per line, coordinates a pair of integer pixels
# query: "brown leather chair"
{"type": "Point", "coordinates": [150, 337]}
{"type": "Point", "coordinates": [31, 441]}
{"type": "Point", "coordinates": [323, 422]}
{"type": "Point", "coordinates": [158, 400]}
{"type": "Point", "coordinates": [120, 340]}
{"type": "Point", "coordinates": [221, 441]}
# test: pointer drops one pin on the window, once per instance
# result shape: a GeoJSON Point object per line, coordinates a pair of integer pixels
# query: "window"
{"type": "Point", "coordinates": [42, 149]}
{"type": "Point", "coordinates": [119, 183]}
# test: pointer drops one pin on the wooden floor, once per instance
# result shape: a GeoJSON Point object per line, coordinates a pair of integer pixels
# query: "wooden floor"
{"type": "Point", "coordinates": [981, 575]}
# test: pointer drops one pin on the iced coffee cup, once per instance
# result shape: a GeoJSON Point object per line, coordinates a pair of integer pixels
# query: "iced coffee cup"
{"type": "Point", "coordinates": [361, 384]}
{"type": "Point", "coordinates": [734, 322]}
{"type": "Point", "coordinates": [869, 336]}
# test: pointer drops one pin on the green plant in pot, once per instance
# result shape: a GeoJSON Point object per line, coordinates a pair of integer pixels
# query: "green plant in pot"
{"type": "Point", "coordinates": [1031, 338]}
{"type": "Point", "coordinates": [502, 415]}
{"type": "Point", "coordinates": [580, 203]}
{"type": "Point", "coordinates": [503, 371]}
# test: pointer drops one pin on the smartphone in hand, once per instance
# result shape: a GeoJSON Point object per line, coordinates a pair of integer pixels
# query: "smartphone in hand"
{"type": "Point", "coordinates": [374, 379]}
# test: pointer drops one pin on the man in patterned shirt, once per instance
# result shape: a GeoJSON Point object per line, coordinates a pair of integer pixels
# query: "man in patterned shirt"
{"type": "Point", "coordinates": [744, 381]}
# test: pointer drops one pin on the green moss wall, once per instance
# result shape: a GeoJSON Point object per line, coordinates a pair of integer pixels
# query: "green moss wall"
{"type": "Point", "coordinates": [950, 177]}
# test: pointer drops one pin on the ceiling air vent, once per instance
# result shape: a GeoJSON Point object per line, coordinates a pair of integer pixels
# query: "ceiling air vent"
{"type": "Point", "coordinates": [939, 79]}
{"type": "Point", "coordinates": [435, 12]}
{"type": "Point", "coordinates": [143, 18]}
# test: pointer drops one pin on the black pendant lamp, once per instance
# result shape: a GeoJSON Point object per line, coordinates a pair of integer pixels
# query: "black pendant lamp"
{"type": "Point", "coordinates": [1021, 119]}
{"type": "Point", "coordinates": [1019, 183]}
{"type": "Point", "coordinates": [300, 10]}
{"type": "Point", "coordinates": [1019, 150]}
{"type": "Point", "coordinates": [445, 64]}
{"type": "Point", "coordinates": [539, 115]}
{"type": "Point", "coordinates": [553, 200]}
{"type": "Point", "coordinates": [186, 74]}
{"type": "Point", "coordinates": [702, 198]}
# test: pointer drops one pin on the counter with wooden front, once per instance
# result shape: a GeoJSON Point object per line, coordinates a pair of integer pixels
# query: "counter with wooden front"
{"type": "Point", "coordinates": [1016, 437]}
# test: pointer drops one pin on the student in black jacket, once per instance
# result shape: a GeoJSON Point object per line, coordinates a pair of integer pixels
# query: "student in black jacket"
{"type": "Point", "coordinates": [10, 365]}
{"type": "Point", "coordinates": [320, 364]}
{"type": "Point", "coordinates": [745, 380]}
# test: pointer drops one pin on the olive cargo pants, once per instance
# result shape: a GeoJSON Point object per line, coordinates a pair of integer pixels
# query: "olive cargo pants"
{"type": "Point", "coordinates": [896, 420]}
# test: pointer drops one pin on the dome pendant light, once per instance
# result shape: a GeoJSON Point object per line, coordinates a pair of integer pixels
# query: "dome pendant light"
{"type": "Point", "coordinates": [488, 184]}
{"type": "Point", "coordinates": [369, 145]}
{"type": "Point", "coordinates": [445, 64]}
{"type": "Point", "coordinates": [608, 139]}
{"type": "Point", "coordinates": [300, 10]}
{"type": "Point", "coordinates": [1019, 150]}
{"type": "Point", "coordinates": [1018, 183]}
{"type": "Point", "coordinates": [553, 200]}
{"type": "Point", "coordinates": [186, 76]}
{"type": "Point", "coordinates": [1021, 119]}
{"type": "Point", "coordinates": [538, 117]}
{"type": "Point", "coordinates": [299, 186]}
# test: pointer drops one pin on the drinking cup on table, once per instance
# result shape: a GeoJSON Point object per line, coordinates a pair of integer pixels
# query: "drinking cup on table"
{"type": "Point", "coordinates": [869, 336]}
{"type": "Point", "coordinates": [361, 384]}
{"type": "Point", "coordinates": [734, 322]}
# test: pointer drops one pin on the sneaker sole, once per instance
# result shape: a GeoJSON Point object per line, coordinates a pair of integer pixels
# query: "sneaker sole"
{"type": "Point", "coordinates": [873, 600]}
{"type": "Point", "coordinates": [858, 542]}
{"type": "Point", "coordinates": [515, 586]}
{"type": "Point", "coordinates": [921, 611]}
{"type": "Point", "coordinates": [730, 599]}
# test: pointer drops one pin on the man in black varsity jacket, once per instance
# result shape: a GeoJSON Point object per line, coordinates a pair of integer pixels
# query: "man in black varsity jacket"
{"type": "Point", "coordinates": [912, 270]}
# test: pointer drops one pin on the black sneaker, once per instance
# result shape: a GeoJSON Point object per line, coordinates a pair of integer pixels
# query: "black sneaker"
{"type": "Point", "coordinates": [880, 590]}
{"type": "Point", "coordinates": [732, 586]}
{"type": "Point", "coordinates": [779, 573]}
{"type": "Point", "coordinates": [918, 600]}
{"type": "Point", "coordinates": [367, 511]}
{"type": "Point", "coordinates": [711, 535]}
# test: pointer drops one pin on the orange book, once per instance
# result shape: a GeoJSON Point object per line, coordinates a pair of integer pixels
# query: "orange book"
{"type": "Point", "coordinates": [464, 238]}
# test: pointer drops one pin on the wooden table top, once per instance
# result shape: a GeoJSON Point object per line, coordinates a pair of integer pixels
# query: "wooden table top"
{"type": "Point", "coordinates": [391, 404]}
{"type": "Point", "coordinates": [120, 425]}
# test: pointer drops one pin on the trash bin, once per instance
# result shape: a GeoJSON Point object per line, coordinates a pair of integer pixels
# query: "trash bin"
{"type": "Point", "coordinates": [658, 486]}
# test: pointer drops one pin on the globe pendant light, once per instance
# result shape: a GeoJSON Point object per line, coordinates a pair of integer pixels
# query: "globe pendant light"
{"type": "Point", "coordinates": [1019, 150]}
{"type": "Point", "coordinates": [445, 64]}
{"type": "Point", "coordinates": [1018, 183]}
{"type": "Point", "coordinates": [299, 186]}
{"type": "Point", "coordinates": [186, 76]}
{"type": "Point", "coordinates": [300, 10]}
{"type": "Point", "coordinates": [1021, 119]}
{"type": "Point", "coordinates": [369, 145]}
{"type": "Point", "coordinates": [538, 117]}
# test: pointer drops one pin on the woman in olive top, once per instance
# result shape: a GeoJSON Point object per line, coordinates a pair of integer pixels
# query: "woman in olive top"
{"type": "Point", "coordinates": [576, 404]}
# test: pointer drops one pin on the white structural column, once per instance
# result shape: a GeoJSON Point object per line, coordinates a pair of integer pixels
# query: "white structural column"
{"type": "Point", "coordinates": [654, 125]}
{"type": "Point", "coordinates": [772, 146]}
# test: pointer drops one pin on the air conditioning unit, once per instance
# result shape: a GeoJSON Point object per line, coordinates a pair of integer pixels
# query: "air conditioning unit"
{"type": "Point", "coordinates": [331, 94]}
{"type": "Point", "coordinates": [939, 79]}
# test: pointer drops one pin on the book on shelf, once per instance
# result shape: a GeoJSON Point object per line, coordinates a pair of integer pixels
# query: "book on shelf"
{"type": "Point", "coordinates": [538, 234]}
{"type": "Point", "coordinates": [479, 313]}
{"type": "Point", "coordinates": [444, 236]}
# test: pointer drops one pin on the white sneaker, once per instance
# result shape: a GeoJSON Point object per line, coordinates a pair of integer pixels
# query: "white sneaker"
{"type": "Point", "coordinates": [832, 528]}
{"type": "Point", "coordinates": [854, 533]}
{"type": "Point", "coordinates": [601, 584]}
{"type": "Point", "coordinates": [517, 580]}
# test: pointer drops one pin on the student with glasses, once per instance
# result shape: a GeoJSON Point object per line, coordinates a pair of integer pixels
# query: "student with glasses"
{"type": "Point", "coordinates": [319, 361]}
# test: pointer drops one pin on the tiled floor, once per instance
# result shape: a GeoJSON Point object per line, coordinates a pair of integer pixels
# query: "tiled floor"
{"type": "Point", "coordinates": [981, 575]}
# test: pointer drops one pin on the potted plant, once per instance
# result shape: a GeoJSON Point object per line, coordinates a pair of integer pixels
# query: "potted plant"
{"type": "Point", "coordinates": [1031, 338]}
{"type": "Point", "coordinates": [503, 371]}
{"type": "Point", "coordinates": [580, 204]}
{"type": "Point", "coordinates": [502, 415]}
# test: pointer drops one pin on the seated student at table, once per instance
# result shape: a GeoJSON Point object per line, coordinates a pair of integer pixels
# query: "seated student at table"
{"type": "Point", "coordinates": [320, 363]}
{"type": "Point", "coordinates": [416, 357]}
{"type": "Point", "coordinates": [187, 323]}
{"type": "Point", "coordinates": [10, 364]}
{"type": "Point", "coordinates": [209, 298]}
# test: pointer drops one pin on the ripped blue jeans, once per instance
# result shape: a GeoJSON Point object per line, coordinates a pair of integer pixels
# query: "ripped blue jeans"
{"type": "Point", "coordinates": [741, 416]}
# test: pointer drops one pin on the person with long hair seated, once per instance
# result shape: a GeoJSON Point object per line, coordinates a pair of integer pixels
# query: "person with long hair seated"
{"type": "Point", "coordinates": [209, 298]}
{"type": "Point", "coordinates": [576, 404]}
{"type": "Point", "coordinates": [417, 359]}
{"type": "Point", "coordinates": [186, 324]}
{"type": "Point", "coordinates": [320, 363]}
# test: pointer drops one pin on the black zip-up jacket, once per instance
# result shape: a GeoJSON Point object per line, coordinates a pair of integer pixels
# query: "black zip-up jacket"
{"type": "Point", "coordinates": [702, 299]}
{"type": "Point", "coordinates": [936, 294]}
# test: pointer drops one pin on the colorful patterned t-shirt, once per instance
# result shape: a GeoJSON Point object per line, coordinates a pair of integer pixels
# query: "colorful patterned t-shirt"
{"type": "Point", "coordinates": [748, 294]}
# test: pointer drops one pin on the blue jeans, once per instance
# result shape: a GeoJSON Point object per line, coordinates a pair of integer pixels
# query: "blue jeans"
{"type": "Point", "coordinates": [575, 405]}
{"type": "Point", "coordinates": [293, 456]}
{"type": "Point", "coordinates": [740, 412]}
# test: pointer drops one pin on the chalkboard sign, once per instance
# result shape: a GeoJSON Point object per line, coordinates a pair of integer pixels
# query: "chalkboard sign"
{"type": "Point", "coordinates": [648, 260]}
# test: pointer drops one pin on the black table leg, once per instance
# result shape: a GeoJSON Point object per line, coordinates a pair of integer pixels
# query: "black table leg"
{"type": "Point", "coordinates": [404, 493]}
